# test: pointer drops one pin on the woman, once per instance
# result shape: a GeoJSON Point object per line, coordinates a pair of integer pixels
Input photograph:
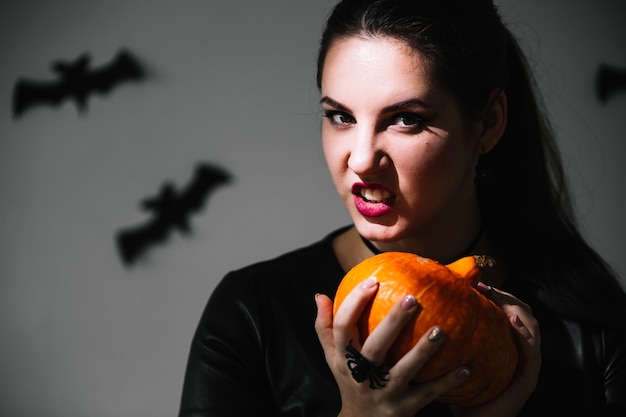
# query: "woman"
{"type": "Point", "coordinates": [437, 146]}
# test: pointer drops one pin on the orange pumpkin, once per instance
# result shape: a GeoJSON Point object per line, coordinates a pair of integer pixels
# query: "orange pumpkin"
{"type": "Point", "coordinates": [478, 333]}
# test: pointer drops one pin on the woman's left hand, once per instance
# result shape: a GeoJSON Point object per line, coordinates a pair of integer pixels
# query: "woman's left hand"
{"type": "Point", "coordinates": [526, 330]}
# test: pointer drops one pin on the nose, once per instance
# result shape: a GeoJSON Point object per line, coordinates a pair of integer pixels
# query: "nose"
{"type": "Point", "coordinates": [367, 155]}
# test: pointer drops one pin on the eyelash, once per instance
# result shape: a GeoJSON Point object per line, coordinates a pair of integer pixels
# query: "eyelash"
{"type": "Point", "coordinates": [331, 115]}
{"type": "Point", "coordinates": [418, 123]}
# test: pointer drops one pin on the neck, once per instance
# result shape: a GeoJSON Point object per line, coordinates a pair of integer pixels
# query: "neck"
{"type": "Point", "coordinates": [468, 250]}
{"type": "Point", "coordinates": [350, 250]}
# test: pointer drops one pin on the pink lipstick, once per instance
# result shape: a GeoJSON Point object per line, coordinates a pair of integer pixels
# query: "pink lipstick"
{"type": "Point", "coordinates": [372, 200]}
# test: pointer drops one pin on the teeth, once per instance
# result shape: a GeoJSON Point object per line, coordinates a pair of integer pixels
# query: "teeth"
{"type": "Point", "coordinates": [375, 195]}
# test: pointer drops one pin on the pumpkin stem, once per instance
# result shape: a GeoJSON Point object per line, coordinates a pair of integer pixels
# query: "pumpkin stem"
{"type": "Point", "coordinates": [469, 267]}
{"type": "Point", "coordinates": [484, 261]}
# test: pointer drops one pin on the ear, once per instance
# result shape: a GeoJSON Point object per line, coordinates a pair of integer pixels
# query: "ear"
{"type": "Point", "coordinates": [493, 122]}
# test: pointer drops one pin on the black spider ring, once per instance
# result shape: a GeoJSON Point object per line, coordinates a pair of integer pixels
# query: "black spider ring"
{"type": "Point", "coordinates": [363, 369]}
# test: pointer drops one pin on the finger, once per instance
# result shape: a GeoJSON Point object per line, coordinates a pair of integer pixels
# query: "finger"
{"type": "Point", "coordinates": [424, 394]}
{"type": "Point", "coordinates": [324, 320]}
{"type": "Point", "coordinates": [408, 366]}
{"type": "Point", "coordinates": [526, 331]}
{"type": "Point", "coordinates": [386, 333]}
{"type": "Point", "coordinates": [350, 310]}
{"type": "Point", "coordinates": [527, 328]}
{"type": "Point", "coordinates": [519, 326]}
{"type": "Point", "coordinates": [501, 298]}
{"type": "Point", "coordinates": [520, 315]}
{"type": "Point", "coordinates": [521, 330]}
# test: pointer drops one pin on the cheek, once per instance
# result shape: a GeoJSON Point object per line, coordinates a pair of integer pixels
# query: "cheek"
{"type": "Point", "coordinates": [333, 150]}
{"type": "Point", "coordinates": [333, 155]}
{"type": "Point", "coordinates": [434, 168]}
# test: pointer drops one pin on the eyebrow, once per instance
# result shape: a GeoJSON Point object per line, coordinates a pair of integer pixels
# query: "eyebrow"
{"type": "Point", "coordinates": [403, 105]}
{"type": "Point", "coordinates": [333, 103]}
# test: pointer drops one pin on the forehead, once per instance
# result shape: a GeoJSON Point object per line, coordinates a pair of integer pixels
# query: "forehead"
{"type": "Point", "coordinates": [380, 67]}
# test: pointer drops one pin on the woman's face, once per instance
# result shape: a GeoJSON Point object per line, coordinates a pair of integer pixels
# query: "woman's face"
{"type": "Point", "coordinates": [399, 150]}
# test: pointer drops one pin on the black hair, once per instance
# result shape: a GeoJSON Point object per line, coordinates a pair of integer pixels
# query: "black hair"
{"type": "Point", "coordinates": [527, 208]}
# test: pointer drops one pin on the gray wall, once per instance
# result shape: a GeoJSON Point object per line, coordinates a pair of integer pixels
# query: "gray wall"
{"type": "Point", "coordinates": [232, 84]}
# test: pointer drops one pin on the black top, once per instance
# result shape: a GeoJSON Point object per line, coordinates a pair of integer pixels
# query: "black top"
{"type": "Point", "coordinates": [256, 352]}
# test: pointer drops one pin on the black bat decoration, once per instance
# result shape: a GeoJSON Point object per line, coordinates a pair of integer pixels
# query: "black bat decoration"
{"type": "Point", "coordinates": [609, 81]}
{"type": "Point", "coordinates": [171, 210]}
{"type": "Point", "coordinates": [76, 81]}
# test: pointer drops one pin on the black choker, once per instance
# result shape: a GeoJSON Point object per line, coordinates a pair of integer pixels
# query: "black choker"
{"type": "Point", "coordinates": [370, 246]}
{"type": "Point", "coordinates": [465, 252]}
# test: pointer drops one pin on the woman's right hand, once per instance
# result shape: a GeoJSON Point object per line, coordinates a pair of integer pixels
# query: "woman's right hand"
{"type": "Point", "coordinates": [397, 396]}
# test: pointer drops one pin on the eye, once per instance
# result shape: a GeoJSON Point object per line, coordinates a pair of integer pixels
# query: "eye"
{"type": "Point", "coordinates": [339, 118]}
{"type": "Point", "coordinates": [408, 121]}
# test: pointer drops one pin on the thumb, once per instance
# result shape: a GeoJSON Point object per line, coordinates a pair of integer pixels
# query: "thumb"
{"type": "Point", "coordinates": [324, 320]}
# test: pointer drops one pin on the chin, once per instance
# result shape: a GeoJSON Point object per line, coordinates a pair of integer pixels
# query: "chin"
{"type": "Point", "coordinates": [376, 231]}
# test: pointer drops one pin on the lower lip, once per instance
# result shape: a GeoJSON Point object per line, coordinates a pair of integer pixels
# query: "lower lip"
{"type": "Point", "coordinates": [370, 209]}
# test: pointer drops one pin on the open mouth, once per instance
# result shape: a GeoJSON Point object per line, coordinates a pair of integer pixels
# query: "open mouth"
{"type": "Point", "coordinates": [373, 193]}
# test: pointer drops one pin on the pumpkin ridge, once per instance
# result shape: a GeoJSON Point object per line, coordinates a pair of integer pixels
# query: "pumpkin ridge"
{"type": "Point", "coordinates": [424, 290]}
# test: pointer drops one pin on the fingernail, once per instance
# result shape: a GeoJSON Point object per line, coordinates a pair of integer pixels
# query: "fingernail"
{"type": "Point", "coordinates": [436, 334]}
{"type": "Point", "coordinates": [369, 283]}
{"type": "Point", "coordinates": [518, 321]}
{"type": "Point", "coordinates": [409, 302]}
{"type": "Point", "coordinates": [483, 286]}
{"type": "Point", "coordinates": [463, 373]}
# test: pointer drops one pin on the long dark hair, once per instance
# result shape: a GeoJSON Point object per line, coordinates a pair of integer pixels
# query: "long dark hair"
{"type": "Point", "coordinates": [526, 207]}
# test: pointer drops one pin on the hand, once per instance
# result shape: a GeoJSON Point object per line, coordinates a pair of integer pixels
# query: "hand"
{"type": "Point", "coordinates": [397, 396]}
{"type": "Point", "coordinates": [526, 331]}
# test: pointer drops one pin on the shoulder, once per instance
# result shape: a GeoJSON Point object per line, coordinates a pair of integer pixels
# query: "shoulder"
{"type": "Point", "coordinates": [596, 349]}
{"type": "Point", "coordinates": [257, 297]}
{"type": "Point", "coordinates": [318, 255]}
{"type": "Point", "coordinates": [312, 267]}
{"type": "Point", "coordinates": [610, 348]}
{"type": "Point", "coordinates": [583, 368]}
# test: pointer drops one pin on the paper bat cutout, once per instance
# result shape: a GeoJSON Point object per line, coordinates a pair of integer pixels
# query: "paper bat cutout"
{"type": "Point", "coordinates": [609, 81]}
{"type": "Point", "coordinates": [77, 82]}
{"type": "Point", "coordinates": [171, 210]}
